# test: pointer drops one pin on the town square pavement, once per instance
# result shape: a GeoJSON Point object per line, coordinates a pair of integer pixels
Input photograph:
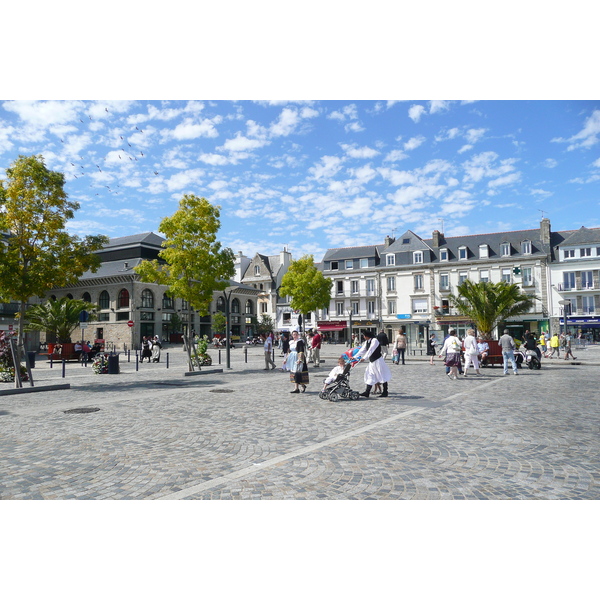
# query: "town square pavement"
{"type": "Point", "coordinates": [157, 433]}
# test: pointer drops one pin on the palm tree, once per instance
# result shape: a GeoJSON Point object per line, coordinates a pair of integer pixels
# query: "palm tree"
{"type": "Point", "coordinates": [489, 303]}
{"type": "Point", "coordinates": [57, 317]}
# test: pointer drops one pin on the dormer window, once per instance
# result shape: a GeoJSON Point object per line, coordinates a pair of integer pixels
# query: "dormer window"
{"type": "Point", "coordinates": [462, 253]}
{"type": "Point", "coordinates": [584, 252]}
{"type": "Point", "coordinates": [406, 241]}
{"type": "Point", "coordinates": [444, 254]}
{"type": "Point", "coordinates": [483, 251]}
{"type": "Point", "coordinates": [526, 247]}
{"type": "Point", "coordinates": [334, 265]}
{"type": "Point", "coordinates": [390, 260]}
{"type": "Point", "coordinates": [349, 264]}
{"type": "Point", "coordinates": [569, 253]}
{"type": "Point", "coordinates": [417, 257]}
{"type": "Point", "coordinates": [257, 270]}
{"type": "Point", "coordinates": [505, 249]}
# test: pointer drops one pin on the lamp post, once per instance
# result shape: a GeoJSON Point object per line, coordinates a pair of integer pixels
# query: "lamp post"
{"type": "Point", "coordinates": [227, 297]}
{"type": "Point", "coordinates": [350, 327]}
{"type": "Point", "coordinates": [565, 304]}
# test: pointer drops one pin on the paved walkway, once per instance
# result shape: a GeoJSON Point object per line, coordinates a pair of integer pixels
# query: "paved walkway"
{"type": "Point", "coordinates": [240, 434]}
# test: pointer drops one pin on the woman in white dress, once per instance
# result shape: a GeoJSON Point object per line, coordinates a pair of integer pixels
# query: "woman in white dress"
{"type": "Point", "coordinates": [295, 363]}
{"type": "Point", "coordinates": [451, 350]}
{"type": "Point", "coordinates": [377, 371]}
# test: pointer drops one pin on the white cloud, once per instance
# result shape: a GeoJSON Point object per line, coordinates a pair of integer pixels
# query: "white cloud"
{"type": "Point", "coordinates": [218, 159]}
{"type": "Point", "coordinates": [184, 178]}
{"type": "Point", "coordinates": [486, 165]}
{"type": "Point", "coordinates": [505, 180]}
{"type": "Point", "coordinates": [353, 152]}
{"type": "Point", "coordinates": [241, 143]}
{"type": "Point", "coordinates": [550, 163]}
{"type": "Point", "coordinates": [414, 143]}
{"type": "Point", "coordinates": [447, 134]}
{"type": "Point", "coordinates": [588, 136]}
{"type": "Point", "coordinates": [189, 129]}
{"type": "Point", "coordinates": [286, 124]}
{"type": "Point", "coordinates": [328, 167]}
{"type": "Point", "coordinates": [415, 112]}
{"type": "Point", "coordinates": [395, 156]}
{"type": "Point", "coordinates": [44, 114]}
{"type": "Point", "coordinates": [465, 148]}
{"type": "Point", "coordinates": [596, 163]}
{"type": "Point", "coordinates": [541, 193]}
{"type": "Point", "coordinates": [436, 106]}
{"type": "Point", "coordinates": [474, 135]}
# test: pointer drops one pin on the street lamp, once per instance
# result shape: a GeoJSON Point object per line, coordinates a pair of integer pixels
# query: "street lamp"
{"type": "Point", "coordinates": [565, 304]}
{"type": "Point", "coordinates": [350, 327]}
{"type": "Point", "coordinates": [227, 297]}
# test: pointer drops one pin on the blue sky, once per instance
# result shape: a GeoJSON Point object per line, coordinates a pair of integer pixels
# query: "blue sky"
{"type": "Point", "coordinates": [316, 174]}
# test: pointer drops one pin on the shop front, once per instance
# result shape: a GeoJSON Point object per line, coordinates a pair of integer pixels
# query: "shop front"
{"type": "Point", "coordinates": [583, 328]}
{"type": "Point", "coordinates": [333, 331]}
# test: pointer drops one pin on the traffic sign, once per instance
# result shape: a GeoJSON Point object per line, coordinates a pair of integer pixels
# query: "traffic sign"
{"type": "Point", "coordinates": [130, 323]}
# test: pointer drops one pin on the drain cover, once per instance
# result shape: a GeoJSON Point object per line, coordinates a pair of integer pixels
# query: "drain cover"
{"type": "Point", "coordinates": [80, 411]}
{"type": "Point", "coordinates": [222, 391]}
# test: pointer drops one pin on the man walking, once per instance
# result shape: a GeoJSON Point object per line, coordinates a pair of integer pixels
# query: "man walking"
{"type": "Point", "coordinates": [268, 347]}
{"type": "Point", "coordinates": [316, 348]}
{"type": "Point", "coordinates": [508, 352]}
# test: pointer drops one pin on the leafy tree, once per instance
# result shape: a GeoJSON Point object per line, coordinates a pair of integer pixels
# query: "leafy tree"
{"type": "Point", "coordinates": [306, 285]}
{"type": "Point", "coordinates": [265, 324]}
{"type": "Point", "coordinates": [219, 323]}
{"type": "Point", "coordinates": [57, 317]}
{"type": "Point", "coordinates": [37, 253]}
{"type": "Point", "coordinates": [487, 304]}
{"type": "Point", "coordinates": [192, 264]}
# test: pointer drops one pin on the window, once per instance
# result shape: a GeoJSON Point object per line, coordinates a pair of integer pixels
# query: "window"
{"type": "Point", "coordinates": [349, 264]}
{"type": "Point", "coordinates": [587, 280]}
{"type": "Point", "coordinates": [167, 302]}
{"type": "Point", "coordinates": [406, 241]}
{"type": "Point", "coordinates": [325, 313]}
{"type": "Point", "coordinates": [527, 276]}
{"type": "Point", "coordinates": [334, 265]}
{"type": "Point", "coordinates": [445, 307]}
{"type": "Point", "coordinates": [354, 308]}
{"type": "Point", "coordinates": [364, 263]}
{"type": "Point", "coordinates": [220, 304]}
{"type": "Point", "coordinates": [444, 281]}
{"type": "Point", "coordinates": [339, 308]}
{"type": "Point", "coordinates": [264, 307]}
{"type": "Point", "coordinates": [370, 287]}
{"type": "Point", "coordinates": [588, 305]}
{"type": "Point", "coordinates": [287, 318]}
{"type": "Point", "coordinates": [104, 300]}
{"type": "Point", "coordinates": [122, 316]}
{"type": "Point", "coordinates": [391, 307]}
{"type": "Point", "coordinates": [569, 281]}
{"type": "Point", "coordinates": [257, 269]}
{"type": "Point", "coordinates": [418, 279]}
{"type": "Point", "coordinates": [390, 260]}
{"type": "Point", "coordinates": [167, 317]}
{"type": "Point", "coordinates": [103, 316]}
{"type": "Point", "coordinates": [69, 296]}
{"type": "Point", "coordinates": [184, 305]}
{"type": "Point", "coordinates": [391, 284]}
{"type": "Point", "coordinates": [249, 308]}
{"type": "Point", "coordinates": [147, 316]}
{"type": "Point", "coordinates": [86, 297]}
{"type": "Point", "coordinates": [569, 253]}
{"type": "Point", "coordinates": [147, 299]}
{"type": "Point", "coordinates": [506, 275]}
{"type": "Point", "coordinates": [371, 307]}
{"type": "Point", "coordinates": [583, 252]}
{"type": "Point", "coordinates": [123, 299]}
{"type": "Point", "coordinates": [526, 247]}
{"type": "Point", "coordinates": [235, 306]}
{"type": "Point", "coordinates": [340, 287]}
{"type": "Point", "coordinates": [444, 254]}
{"type": "Point", "coordinates": [505, 249]}
{"type": "Point", "coordinates": [419, 306]}
{"type": "Point", "coordinates": [484, 276]}
{"type": "Point", "coordinates": [462, 253]}
{"type": "Point", "coordinates": [484, 251]}
{"type": "Point", "coordinates": [417, 257]}
{"type": "Point", "coordinates": [354, 286]}
{"type": "Point", "coordinates": [462, 276]}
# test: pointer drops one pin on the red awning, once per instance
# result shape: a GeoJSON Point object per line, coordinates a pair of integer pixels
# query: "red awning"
{"type": "Point", "coordinates": [331, 327]}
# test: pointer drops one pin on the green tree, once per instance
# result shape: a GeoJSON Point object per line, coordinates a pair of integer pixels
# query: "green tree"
{"type": "Point", "coordinates": [265, 324]}
{"type": "Point", "coordinates": [192, 264]}
{"type": "Point", "coordinates": [306, 285]}
{"type": "Point", "coordinates": [37, 253]}
{"type": "Point", "coordinates": [219, 323]}
{"type": "Point", "coordinates": [487, 304]}
{"type": "Point", "coordinates": [57, 317]}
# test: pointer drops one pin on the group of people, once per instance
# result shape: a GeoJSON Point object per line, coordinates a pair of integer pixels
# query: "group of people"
{"type": "Point", "coordinates": [551, 345]}
{"type": "Point", "coordinates": [151, 347]}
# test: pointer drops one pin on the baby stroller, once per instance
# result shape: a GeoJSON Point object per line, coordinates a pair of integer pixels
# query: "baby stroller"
{"type": "Point", "coordinates": [340, 388]}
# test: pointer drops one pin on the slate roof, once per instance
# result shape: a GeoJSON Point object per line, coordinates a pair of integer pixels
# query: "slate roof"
{"type": "Point", "coordinates": [348, 253]}
{"type": "Point", "coordinates": [148, 238]}
{"type": "Point", "coordinates": [581, 236]}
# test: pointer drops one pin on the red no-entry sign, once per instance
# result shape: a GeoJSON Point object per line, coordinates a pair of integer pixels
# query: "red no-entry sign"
{"type": "Point", "coordinates": [130, 323]}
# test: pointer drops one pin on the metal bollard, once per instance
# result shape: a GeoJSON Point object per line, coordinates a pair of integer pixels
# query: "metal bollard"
{"type": "Point", "coordinates": [246, 354]}
{"type": "Point", "coordinates": [167, 360]}
{"type": "Point", "coordinates": [64, 366]}
{"type": "Point", "coordinates": [51, 361]}
{"type": "Point", "coordinates": [128, 355]}
{"type": "Point", "coordinates": [219, 355]}
{"type": "Point", "coordinates": [136, 362]}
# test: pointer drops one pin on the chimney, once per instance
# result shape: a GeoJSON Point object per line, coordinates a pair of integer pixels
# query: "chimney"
{"type": "Point", "coordinates": [388, 241]}
{"type": "Point", "coordinates": [545, 231]}
{"type": "Point", "coordinates": [438, 238]}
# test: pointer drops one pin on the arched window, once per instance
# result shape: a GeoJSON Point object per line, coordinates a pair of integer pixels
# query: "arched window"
{"type": "Point", "coordinates": [70, 296]}
{"type": "Point", "coordinates": [167, 302]}
{"type": "Point", "coordinates": [104, 300]}
{"type": "Point", "coordinates": [235, 306]}
{"type": "Point", "coordinates": [86, 297]}
{"type": "Point", "coordinates": [220, 304]}
{"type": "Point", "coordinates": [147, 299]}
{"type": "Point", "coordinates": [249, 307]}
{"type": "Point", "coordinates": [123, 299]}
